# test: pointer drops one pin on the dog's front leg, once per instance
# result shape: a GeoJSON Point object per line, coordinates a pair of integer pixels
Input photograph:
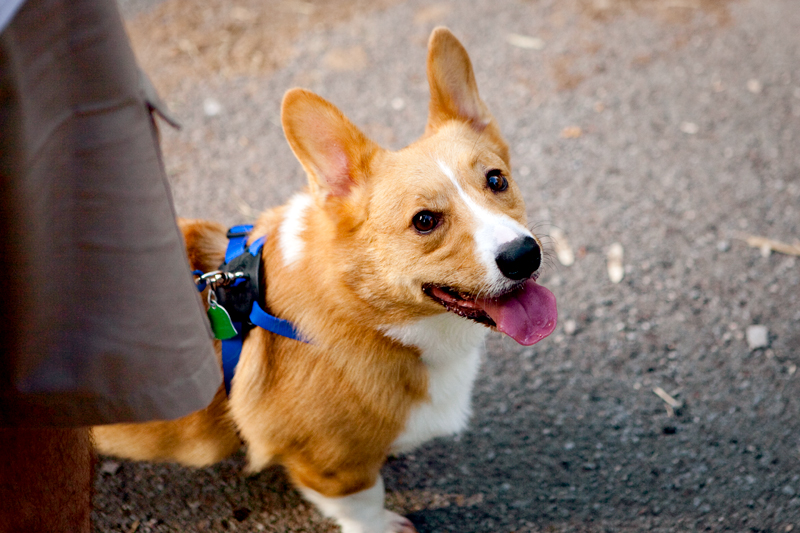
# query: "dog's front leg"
{"type": "Point", "coordinates": [361, 512]}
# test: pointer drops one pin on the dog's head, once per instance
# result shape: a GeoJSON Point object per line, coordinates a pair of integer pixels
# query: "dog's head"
{"type": "Point", "coordinates": [437, 226]}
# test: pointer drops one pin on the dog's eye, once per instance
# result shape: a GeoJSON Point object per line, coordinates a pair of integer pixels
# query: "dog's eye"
{"type": "Point", "coordinates": [425, 221]}
{"type": "Point", "coordinates": [496, 181]}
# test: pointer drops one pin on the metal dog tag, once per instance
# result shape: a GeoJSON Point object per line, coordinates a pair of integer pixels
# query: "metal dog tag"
{"type": "Point", "coordinates": [221, 323]}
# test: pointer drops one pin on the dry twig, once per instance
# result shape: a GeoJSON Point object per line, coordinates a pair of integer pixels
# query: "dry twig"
{"type": "Point", "coordinates": [671, 402]}
{"type": "Point", "coordinates": [767, 245]}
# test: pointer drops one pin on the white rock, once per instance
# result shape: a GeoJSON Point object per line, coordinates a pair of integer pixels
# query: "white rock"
{"type": "Point", "coordinates": [564, 251]}
{"type": "Point", "coordinates": [757, 337]}
{"type": "Point", "coordinates": [614, 262]}
{"type": "Point", "coordinates": [211, 107]}
{"type": "Point", "coordinates": [754, 86]}
{"type": "Point", "coordinates": [689, 128]}
{"type": "Point", "coordinates": [109, 467]}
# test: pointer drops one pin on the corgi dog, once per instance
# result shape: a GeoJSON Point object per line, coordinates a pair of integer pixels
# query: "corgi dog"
{"type": "Point", "coordinates": [393, 266]}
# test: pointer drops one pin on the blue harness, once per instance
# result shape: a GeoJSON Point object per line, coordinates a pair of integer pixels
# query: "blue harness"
{"type": "Point", "coordinates": [236, 288]}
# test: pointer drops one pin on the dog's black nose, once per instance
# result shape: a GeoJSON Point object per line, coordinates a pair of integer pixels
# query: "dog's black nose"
{"type": "Point", "coordinates": [520, 258]}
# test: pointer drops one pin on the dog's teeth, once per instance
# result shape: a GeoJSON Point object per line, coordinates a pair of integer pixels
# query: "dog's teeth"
{"type": "Point", "coordinates": [460, 303]}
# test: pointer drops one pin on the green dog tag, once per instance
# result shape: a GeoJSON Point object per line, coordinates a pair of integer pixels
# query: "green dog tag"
{"type": "Point", "coordinates": [221, 323]}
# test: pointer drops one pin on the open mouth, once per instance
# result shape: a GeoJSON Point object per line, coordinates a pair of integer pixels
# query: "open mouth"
{"type": "Point", "coordinates": [460, 303]}
{"type": "Point", "coordinates": [527, 313]}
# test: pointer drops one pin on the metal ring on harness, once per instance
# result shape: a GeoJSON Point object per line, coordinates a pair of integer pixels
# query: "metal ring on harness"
{"type": "Point", "coordinates": [237, 287]}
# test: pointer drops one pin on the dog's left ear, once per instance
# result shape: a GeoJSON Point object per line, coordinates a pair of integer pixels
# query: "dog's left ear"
{"type": "Point", "coordinates": [454, 92]}
{"type": "Point", "coordinates": [334, 153]}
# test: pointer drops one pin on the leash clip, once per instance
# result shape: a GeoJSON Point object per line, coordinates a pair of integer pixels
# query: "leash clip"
{"type": "Point", "coordinates": [233, 299]}
{"type": "Point", "coordinates": [216, 278]}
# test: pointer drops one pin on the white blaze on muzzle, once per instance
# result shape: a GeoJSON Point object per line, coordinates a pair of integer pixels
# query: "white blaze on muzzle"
{"type": "Point", "coordinates": [493, 231]}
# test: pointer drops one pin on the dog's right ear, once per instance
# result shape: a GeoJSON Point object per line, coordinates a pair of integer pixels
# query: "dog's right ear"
{"type": "Point", "coordinates": [334, 153]}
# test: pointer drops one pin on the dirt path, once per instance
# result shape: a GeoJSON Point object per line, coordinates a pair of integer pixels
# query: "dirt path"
{"type": "Point", "coordinates": [671, 128]}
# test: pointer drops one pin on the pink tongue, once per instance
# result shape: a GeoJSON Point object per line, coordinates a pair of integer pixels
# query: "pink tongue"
{"type": "Point", "coordinates": [527, 315]}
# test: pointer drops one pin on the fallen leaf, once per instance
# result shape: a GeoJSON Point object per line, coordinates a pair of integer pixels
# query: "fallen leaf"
{"type": "Point", "coordinates": [343, 59]}
{"type": "Point", "coordinates": [571, 132]}
{"type": "Point", "coordinates": [563, 250]}
{"type": "Point", "coordinates": [524, 41]}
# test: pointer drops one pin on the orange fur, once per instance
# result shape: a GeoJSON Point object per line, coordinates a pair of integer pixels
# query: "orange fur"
{"type": "Point", "coordinates": [330, 410]}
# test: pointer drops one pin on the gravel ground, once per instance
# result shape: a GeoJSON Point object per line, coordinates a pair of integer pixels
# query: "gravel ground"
{"type": "Point", "coordinates": [670, 128]}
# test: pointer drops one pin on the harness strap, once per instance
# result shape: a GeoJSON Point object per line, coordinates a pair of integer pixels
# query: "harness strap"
{"type": "Point", "coordinates": [231, 350]}
{"type": "Point", "coordinates": [237, 242]}
{"type": "Point", "coordinates": [273, 324]}
{"type": "Point", "coordinates": [256, 315]}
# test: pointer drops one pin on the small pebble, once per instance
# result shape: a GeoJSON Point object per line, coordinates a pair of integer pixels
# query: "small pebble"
{"type": "Point", "coordinates": [689, 128]}
{"type": "Point", "coordinates": [754, 86]}
{"type": "Point", "coordinates": [570, 327]}
{"type": "Point", "coordinates": [614, 263]}
{"type": "Point", "coordinates": [109, 467]}
{"type": "Point", "coordinates": [211, 107]}
{"type": "Point", "coordinates": [757, 337]}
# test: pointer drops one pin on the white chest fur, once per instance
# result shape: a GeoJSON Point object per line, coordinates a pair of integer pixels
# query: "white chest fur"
{"type": "Point", "coordinates": [451, 349]}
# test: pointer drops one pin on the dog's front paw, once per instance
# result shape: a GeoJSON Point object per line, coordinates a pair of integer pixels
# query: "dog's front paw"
{"type": "Point", "coordinates": [398, 524]}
